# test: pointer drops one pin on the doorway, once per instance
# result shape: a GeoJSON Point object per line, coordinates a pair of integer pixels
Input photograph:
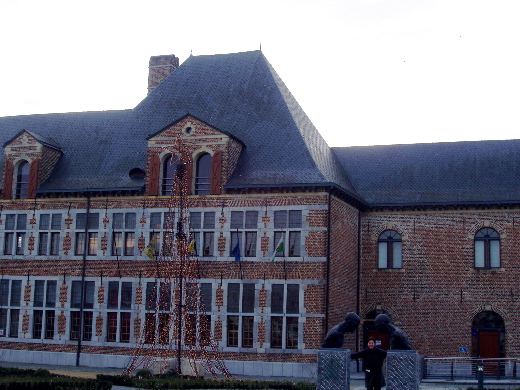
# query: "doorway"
{"type": "Point", "coordinates": [488, 340]}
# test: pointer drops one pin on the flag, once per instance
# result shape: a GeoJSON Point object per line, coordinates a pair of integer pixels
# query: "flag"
{"type": "Point", "coordinates": [150, 249]}
{"type": "Point", "coordinates": [236, 251]}
{"type": "Point", "coordinates": [191, 247]}
{"type": "Point", "coordinates": [280, 248]}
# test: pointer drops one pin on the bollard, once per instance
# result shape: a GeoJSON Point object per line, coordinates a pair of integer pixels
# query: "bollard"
{"type": "Point", "coordinates": [480, 375]}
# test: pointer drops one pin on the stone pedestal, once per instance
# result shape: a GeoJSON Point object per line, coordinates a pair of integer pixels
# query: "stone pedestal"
{"type": "Point", "coordinates": [333, 369]}
{"type": "Point", "coordinates": [402, 370]}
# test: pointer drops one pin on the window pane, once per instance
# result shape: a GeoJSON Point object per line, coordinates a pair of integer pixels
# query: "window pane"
{"type": "Point", "coordinates": [280, 219]}
{"type": "Point", "coordinates": [277, 294]}
{"type": "Point", "coordinates": [203, 175]}
{"type": "Point", "coordinates": [113, 295]}
{"type": "Point", "coordinates": [251, 219]}
{"type": "Point", "coordinates": [117, 222]}
{"type": "Point", "coordinates": [382, 260]}
{"type": "Point", "coordinates": [92, 243]}
{"type": "Point", "coordinates": [195, 220]}
{"type": "Point", "coordinates": [50, 316]}
{"type": "Point", "coordinates": [56, 222]}
{"type": "Point", "coordinates": [14, 322]}
{"type": "Point", "coordinates": [80, 244]}
{"type": "Point", "coordinates": [45, 220]}
{"type": "Point", "coordinates": [165, 296]}
{"type": "Point", "coordinates": [111, 326]}
{"type": "Point", "coordinates": [130, 220]}
{"type": "Point", "coordinates": [75, 298]}
{"type": "Point", "coordinates": [237, 220]}
{"type": "Point", "coordinates": [208, 243]}
{"type": "Point", "coordinates": [93, 221]}
{"type": "Point", "coordinates": [247, 331]}
{"type": "Point", "coordinates": [234, 239]}
{"type": "Point", "coordinates": [81, 220]}
{"type": "Point", "coordinates": [20, 243]}
{"type": "Point", "coordinates": [155, 220]}
{"type": "Point", "coordinates": [248, 298]}
{"type": "Point", "coordinates": [16, 292]}
{"type": "Point", "coordinates": [250, 250]}
{"type": "Point", "coordinates": [232, 331]}
{"type": "Point", "coordinates": [117, 242]}
{"type": "Point", "coordinates": [126, 295]}
{"type": "Point", "coordinates": [151, 296]}
{"type": "Point", "coordinates": [293, 298]}
{"type": "Point", "coordinates": [494, 253]}
{"type": "Point", "coordinates": [292, 333]}
{"type": "Point", "coordinates": [276, 332]}
{"type": "Point", "coordinates": [149, 328]}
{"type": "Point", "coordinates": [479, 254]}
{"type": "Point", "coordinates": [55, 244]}
{"type": "Point", "coordinates": [169, 220]}
{"type": "Point", "coordinates": [50, 299]}
{"type": "Point", "coordinates": [209, 220]}
{"type": "Point", "coordinates": [39, 291]}
{"type": "Point", "coordinates": [206, 297]}
{"type": "Point", "coordinates": [87, 325]}
{"type": "Point", "coordinates": [233, 297]}
{"type": "Point", "coordinates": [37, 324]}
{"type": "Point", "coordinates": [164, 328]}
{"type": "Point", "coordinates": [398, 261]}
{"type": "Point", "coordinates": [294, 244]}
{"type": "Point", "coordinates": [42, 243]}
{"type": "Point", "coordinates": [129, 244]}
{"type": "Point", "coordinates": [10, 220]}
{"type": "Point", "coordinates": [295, 219]}
{"type": "Point", "coordinates": [4, 292]}
{"type": "Point", "coordinates": [22, 181]}
{"type": "Point", "coordinates": [8, 243]}
{"type": "Point", "coordinates": [124, 335]}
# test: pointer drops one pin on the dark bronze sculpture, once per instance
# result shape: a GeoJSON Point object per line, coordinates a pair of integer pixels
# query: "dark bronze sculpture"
{"type": "Point", "coordinates": [336, 335]}
{"type": "Point", "coordinates": [398, 339]}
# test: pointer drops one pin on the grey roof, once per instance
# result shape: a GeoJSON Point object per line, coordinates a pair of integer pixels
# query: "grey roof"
{"type": "Point", "coordinates": [437, 173]}
{"type": "Point", "coordinates": [240, 94]}
{"type": "Point", "coordinates": [99, 148]}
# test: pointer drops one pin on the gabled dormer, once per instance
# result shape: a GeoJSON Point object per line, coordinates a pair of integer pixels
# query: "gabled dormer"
{"type": "Point", "coordinates": [28, 161]}
{"type": "Point", "coordinates": [209, 154]}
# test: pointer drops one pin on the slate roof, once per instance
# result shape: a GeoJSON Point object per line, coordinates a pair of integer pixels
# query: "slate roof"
{"type": "Point", "coordinates": [478, 172]}
{"type": "Point", "coordinates": [241, 94]}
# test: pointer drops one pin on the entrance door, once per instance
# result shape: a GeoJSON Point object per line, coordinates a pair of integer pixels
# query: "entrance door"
{"type": "Point", "coordinates": [489, 348]}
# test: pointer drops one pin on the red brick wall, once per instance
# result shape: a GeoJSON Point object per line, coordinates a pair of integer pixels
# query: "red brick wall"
{"type": "Point", "coordinates": [436, 294]}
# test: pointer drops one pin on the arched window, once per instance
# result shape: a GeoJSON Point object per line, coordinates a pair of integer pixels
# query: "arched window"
{"type": "Point", "coordinates": [22, 180]}
{"type": "Point", "coordinates": [390, 250]}
{"type": "Point", "coordinates": [168, 174]}
{"type": "Point", "coordinates": [487, 248]}
{"type": "Point", "coordinates": [203, 175]}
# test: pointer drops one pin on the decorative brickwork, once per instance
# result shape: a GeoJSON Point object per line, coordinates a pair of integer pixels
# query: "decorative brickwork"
{"type": "Point", "coordinates": [27, 294]}
{"type": "Point", "coordinates": [99, 325]}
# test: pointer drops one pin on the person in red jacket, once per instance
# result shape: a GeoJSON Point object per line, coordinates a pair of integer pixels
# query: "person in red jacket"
{"type": "Point", "coordinates": [373, 359]}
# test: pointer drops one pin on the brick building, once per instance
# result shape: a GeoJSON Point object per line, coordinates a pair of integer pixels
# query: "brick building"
{"type": "Point", "coordinates": [90, 229]}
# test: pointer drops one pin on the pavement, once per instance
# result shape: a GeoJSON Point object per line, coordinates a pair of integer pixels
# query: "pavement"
{"type": "Point", "coordinates": [356, 381]}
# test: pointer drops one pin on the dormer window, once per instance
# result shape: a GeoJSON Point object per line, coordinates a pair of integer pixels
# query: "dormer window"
{"type": "Point", "coordinates": [22, 180]}
{"type": "Point", "coordinates": [203, 175]}
{"type": "Point", "coordinates": [168, 173]}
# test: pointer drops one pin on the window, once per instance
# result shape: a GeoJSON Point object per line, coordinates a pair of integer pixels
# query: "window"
{"type": "Point", "coordinates": [44, 320]}
{"type": "Point", "coordinates": [22, 180]}
{"type": "Point", "coordinates": [15, 233]}
{"type": "Point", "coordinates": [159, 320]}
{"type": "Point", "coordinates": [487, 248]}
{"type": "Point", "coordinates": [284, 332]}
{"type": "Point", "coordinates": [240, 326]}
{"type": "Point", "coordinates": [168, 174]}
{"type": "Point", "coordinates": [49, 242]}
{"type": "Point", "coordinates": [203, 175]}
{"type": "Point", "coordinates": [88, 303]}
{"type": "Point", "coordinates": [91, 237]}
{"type": "Point", "coordinates": [10, 301]}
{"type": "Point", "coordinates": [202, 225]}
{"type": "Point", "coordinates": [247, 239]}
{"type": "Point", "coordinates": [390, 250]}
{"type": "Point", "coordinates": [198, 300]}
{"type": "Point", "coordinates": [118, 321]}
{"type": "Point", "coordinates": [123, 231]}
{"type": "Point", "coordinates": [288, 225]}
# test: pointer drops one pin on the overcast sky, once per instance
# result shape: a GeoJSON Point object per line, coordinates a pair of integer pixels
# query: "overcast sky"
{"type": "Point", "coordinates": [366, 72]}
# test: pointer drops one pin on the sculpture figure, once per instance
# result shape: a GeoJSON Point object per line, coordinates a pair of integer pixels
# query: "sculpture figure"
{"type": "Point", "coordinates": [336, 335]}
{"type": "Point", "coordinates": [398, 338]}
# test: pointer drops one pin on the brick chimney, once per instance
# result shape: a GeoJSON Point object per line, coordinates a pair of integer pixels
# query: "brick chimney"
{"type": "Point", "coordinates": [160, 67]}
